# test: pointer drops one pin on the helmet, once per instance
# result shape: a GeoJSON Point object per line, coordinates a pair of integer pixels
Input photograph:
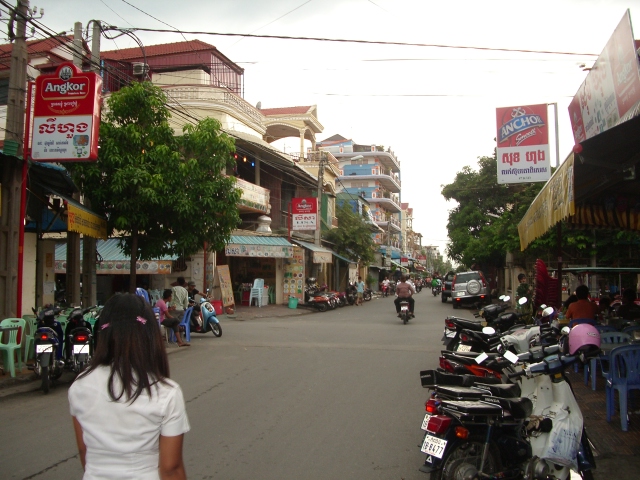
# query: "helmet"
{"type": "Point", "coordinates": [584, 338]}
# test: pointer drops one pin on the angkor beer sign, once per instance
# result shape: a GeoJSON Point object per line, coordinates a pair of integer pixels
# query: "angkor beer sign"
{"type": "Point", "coordinates": [66, 115]}
{"type": "Point", "coordinates": [304, 213]}
{"type": "Point", "coordinates": [523, 144]}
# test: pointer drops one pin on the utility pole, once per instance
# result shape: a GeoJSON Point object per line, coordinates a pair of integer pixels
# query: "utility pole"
{"type": "Point", "coordinates": [12, 169]}
{"type": "Point", "coordinates": [321, 162]}
{"type": "Point", "coordinates": [89, 280]}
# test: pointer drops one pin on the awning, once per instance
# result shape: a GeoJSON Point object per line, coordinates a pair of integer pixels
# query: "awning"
{"type": "Point", "coordinates": [596, 188]}
{"type": "Point", "coordinates": [82, 220]}
{"type": "Point", "coordinates": [258, 246]}
{"type": "Point", "coordinates": [342, 258]}
{"type": "Point", "coordinates": [320, 254]}
{"type": "Point", "coordinates": [112, 260]}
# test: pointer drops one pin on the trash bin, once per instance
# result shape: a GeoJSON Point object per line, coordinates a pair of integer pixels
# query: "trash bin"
{"type": "Point", "coordinates": [293, 302]}
{"type": "Point", "coordinates": [217, 306]}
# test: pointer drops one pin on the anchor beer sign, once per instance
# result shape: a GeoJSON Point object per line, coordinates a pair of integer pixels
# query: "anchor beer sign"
{"type": "Point", "coordinates": [66, 115]}
{"type": "Point", "coordinates": [523, 144]}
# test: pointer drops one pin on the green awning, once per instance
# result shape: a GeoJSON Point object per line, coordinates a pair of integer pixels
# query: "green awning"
{"type": "Point", "coordinates": [342, 258]}
{"type": "Point", "coordinates": [259, 240]}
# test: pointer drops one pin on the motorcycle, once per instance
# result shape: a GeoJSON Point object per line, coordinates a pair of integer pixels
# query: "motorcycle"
{"type": "Point", "coordinates": [351, 294]}
{"type": "Point", "coordinates": [314, 298]}
{"type": "Point", "coordinates": [384, 288]}
{"type": "Point", "coordinates": [79, 340]}
{"type": "Point", "coordinates": [405, 314]}
{"type": "Point", "coordinates": [209, 319]}
{"type": "Point", "coordinates": [436, 290]}
{"type": "Point", "coordinates": [48, 347]}
{"type": "Point", "coordinates": [368, 294]}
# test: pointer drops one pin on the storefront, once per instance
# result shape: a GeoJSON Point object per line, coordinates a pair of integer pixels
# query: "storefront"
{"type": "Point", "coordinates": [318, 263]}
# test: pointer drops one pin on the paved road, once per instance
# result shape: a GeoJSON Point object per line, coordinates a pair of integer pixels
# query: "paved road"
{"type": "Point", "coordinates": [320, 396]}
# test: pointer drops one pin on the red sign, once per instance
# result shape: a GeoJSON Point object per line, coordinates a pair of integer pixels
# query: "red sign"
{"type": "Point", "coordinates": [304, 213]}
{"type": "Point", "coordinates": [66, 115]}
{"type": "Point", "coordinates": [523, 144]}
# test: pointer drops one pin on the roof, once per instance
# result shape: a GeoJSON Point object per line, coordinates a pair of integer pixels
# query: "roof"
{"type": "Point", "coordinates": [335, 139]}
{"type": "Point", "coordinates": [157, 50]}
{"type": "Point", "coordinates": [108, 251]}
{"type": "Point", "coordinates": [313, 247]}
{"type": "Point", "coordinates": [285, 110]}
{"type": "Point", "coordinates": [36, 48]}
{"type": "Point", "coordinates": [259, 240]}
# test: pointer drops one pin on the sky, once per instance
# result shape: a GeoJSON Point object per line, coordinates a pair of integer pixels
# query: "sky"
{"type": "Point", "coordinates": [433, 104]}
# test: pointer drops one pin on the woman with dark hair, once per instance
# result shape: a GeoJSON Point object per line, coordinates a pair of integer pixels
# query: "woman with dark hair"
{"type": "Point", "coordinates": [129, 417]}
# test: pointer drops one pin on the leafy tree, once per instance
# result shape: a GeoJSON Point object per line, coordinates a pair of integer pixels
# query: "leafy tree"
{"type": "Point", "coordinates": [165, 194]}
{"type": "Point", "coordinates": [353, 235]}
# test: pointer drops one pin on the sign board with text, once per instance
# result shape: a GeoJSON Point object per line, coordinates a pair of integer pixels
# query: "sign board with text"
{"type": "Point", "coordinates": [66, 115]}
{"type": "Point", "coordinates": [523, 144]}
{"type": "Point", "coordinates": [304, 213]}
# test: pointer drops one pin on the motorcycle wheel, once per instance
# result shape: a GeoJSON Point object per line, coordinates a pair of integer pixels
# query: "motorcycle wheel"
{"type": "Point", "coordinates": [342, 302]}
{"type": "Point", "coordinates": [587, 475]}
{"type": "Point", "coordinates": [45, 379]}
{"type": "Point", "coordinates": [351, 300]}
{"type": "Point", "coordinates": [405, 318]}
{"type": "Point", "coordinates": [367, 296]}
{"type": "Point", "coordinates": [443, 299]}
{"type": "Point", "coordinates": [216, 329]}
{"type": "Point", "coordinates": [322, 307]}
{"type": "Point", "coordinates": [466, 457]}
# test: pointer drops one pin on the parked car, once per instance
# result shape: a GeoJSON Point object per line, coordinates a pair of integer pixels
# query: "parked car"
{"type": "Point", "coordinates": [446, 286]}
{"type": "Point", "coordinates": [470, 287]}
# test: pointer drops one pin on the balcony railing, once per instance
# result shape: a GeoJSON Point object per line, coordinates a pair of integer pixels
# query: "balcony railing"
{"type": "Point", "coordinates": [253, 198]}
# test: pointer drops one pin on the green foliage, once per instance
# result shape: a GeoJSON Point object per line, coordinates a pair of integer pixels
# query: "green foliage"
{"type": "Point", "coordinates": [353, 235]}
{"type": "Point", "coordinates": [166, 194]}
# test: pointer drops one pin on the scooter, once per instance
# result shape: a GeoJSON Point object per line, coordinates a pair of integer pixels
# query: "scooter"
{"type": "Point", "coordinates": [405, 314]}
{"type": "Point", "coordinates": [79, 340]}
{"type": "Point", "coordinates": [210, 322]}
{"type": "Point", "coordinates": [48, 347]}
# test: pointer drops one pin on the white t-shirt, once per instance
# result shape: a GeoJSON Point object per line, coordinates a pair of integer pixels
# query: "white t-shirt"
{"type": "Point", "coordinates": [122, 438]}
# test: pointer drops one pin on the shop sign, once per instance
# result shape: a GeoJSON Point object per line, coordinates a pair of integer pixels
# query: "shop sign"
{"type": "Point", "coordinates": [422, 259]}
{"type": "Point", "coordinates": [294, 276]}
{"type": "Point", "coordinates": [66, 115]}
{"type": "Point", "coordinates": [85, 222]}
{"type": "Point", "coordinates": [121, 267]}
{"type": "Point", "coordinates": [268, 251]}
{"type": "Point", "coordinates": [304, 213]}
{"type": "Point", "coordinates": [322, 257]}
{"type": "Point", "coordinates": [254, 196]}
{"type": "Point", "coordinates": [611, 90]}
{"type": "Point", "coordinates": [523, 144]}
{"type": "Point", "coordinates": [404, 261]}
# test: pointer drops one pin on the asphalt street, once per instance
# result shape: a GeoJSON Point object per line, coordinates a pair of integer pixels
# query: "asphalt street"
{"type": "Point", "coordinates": [331, 395]}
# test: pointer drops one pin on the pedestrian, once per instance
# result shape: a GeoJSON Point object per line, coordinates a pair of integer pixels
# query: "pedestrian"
{"type": "Point", "coordinates": [180, 298]}
{"type": "Point", "coordinates": [129, 417]}
{"type": "Point", "coordinates": [360, 291]}
{"type": "Point", "coordinates": [167, 319]}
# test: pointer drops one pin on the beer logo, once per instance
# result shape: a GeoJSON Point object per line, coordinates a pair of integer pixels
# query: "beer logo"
{"type": "Point", "coordinates": [65, 73]}
{"type": "Point", "coordinates": [519, 126]}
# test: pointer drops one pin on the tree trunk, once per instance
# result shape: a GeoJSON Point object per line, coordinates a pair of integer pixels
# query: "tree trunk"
{"type": "Point", "coordinates": [134, 260]}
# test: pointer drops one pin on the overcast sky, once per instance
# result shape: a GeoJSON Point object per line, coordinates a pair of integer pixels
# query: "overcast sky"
{"type": "Point", "coordinates": [434, 106]}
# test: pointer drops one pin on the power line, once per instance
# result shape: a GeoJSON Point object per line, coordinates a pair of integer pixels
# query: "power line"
{"type": "Point", "coordinates": [365, 42]}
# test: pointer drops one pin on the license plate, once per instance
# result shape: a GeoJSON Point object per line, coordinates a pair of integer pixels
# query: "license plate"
{"type": "Point", "coordinates": [404, 309]}
{"type": "Point", "coordinates": [425, 422]}
{"type": "Point", "coordinates": [77, 349]}
{"type": "Point", "coordinates": [44, 348]}
{"type": "Point", "coordinates": [464, 348]}
{"type": "Point", "coordinates": [450, 333]}
{"type": "Point", "coordinates": [433, 446]}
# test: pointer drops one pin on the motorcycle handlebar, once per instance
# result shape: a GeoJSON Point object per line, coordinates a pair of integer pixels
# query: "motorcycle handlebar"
{"type": "Point", "coordinates": [517, 374]}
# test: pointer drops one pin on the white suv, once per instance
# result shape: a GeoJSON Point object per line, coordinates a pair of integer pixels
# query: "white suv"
{"type": "Point", "coordinates": [469, 287]}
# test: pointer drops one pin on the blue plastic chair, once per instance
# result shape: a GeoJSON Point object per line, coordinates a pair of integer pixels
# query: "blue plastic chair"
{"type": "Point", "coordinates": [631, 329]}
{"type": "Point", "coordinates": [606, 328]}
{"type": "Point", "coordinates": [141, 292]}
{"type": "Point", "coordinates": [577, 321]}
{"type": "Point", "coordinates": [186, 323]}
{"type": "Point", "coordinates": [624, 376]}
{"type": "Point", "coordinates": [12, 346]}
{"type": "Point", "coordinates": [606, 338]}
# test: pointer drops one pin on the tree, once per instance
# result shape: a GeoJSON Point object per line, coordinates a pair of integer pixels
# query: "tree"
{"type": "Point", "coordinates": [353, 235]}
{"type": "Point", "coordinates": [165, 194]}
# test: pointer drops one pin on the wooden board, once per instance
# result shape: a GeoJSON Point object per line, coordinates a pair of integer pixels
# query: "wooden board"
{"type": "Point", "coordinates": [226, 287]}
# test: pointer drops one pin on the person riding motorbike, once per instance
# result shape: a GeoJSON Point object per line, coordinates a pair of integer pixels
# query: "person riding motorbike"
{"type": "Point", "coordinates": [385, 286]}
{"type": "Point", "coordinates": [404, 291]}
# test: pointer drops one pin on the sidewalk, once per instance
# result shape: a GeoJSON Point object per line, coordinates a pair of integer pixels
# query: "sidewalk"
{"type": "Point", "coordinates": [26, 381]}
{"type": "Point", "coordinates": [618, 452]}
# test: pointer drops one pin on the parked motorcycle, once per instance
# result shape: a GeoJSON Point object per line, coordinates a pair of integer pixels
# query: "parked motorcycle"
{"type": "Point", "coordinates": [209, 319]}
{"type": "Point", "coordinates": [530, 430]}
{"type": "Point", "coordinates": [48, 348]}
{"type": "Point", "coordinates": [314, 298]}
{"type": "Point", "coordinates": [78, 340]}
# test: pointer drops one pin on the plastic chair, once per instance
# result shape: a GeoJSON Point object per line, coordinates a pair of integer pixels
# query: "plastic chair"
{"type": "Point", "coordinates": [9, 349]}
{"type": "Point", "coordinates": [631, 329]}
{"type": "Point", "coordinates": [141, 292]}
{"type": "Point", "coordinates": [186, 323]}
{"type": "Point", "coordinates": [624, 376]}
{"type": "Point", "coordinates": [257, 291]}
{"type": "Point", "coordinates": [606, 338]}
{"type": "Point", "coordinates": [577, 321]}
{"type": "Point", "coordinates": [272, 294]}
{"type": "Point", "coordinates": [606, 328]}
{"type": "Point", "coordinates": [29, 335]}
{"type": "Point", "coordinates": [63, 319]}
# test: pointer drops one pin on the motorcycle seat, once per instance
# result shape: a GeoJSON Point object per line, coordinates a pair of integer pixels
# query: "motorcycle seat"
{"type": "Point", "coordinates": [466, 407]}
{"type": "Point", "coordinates": [458, 393]}
{"type": "Point", "coordinates": [468, 355]}
{"type": "Point", "coordinates": [519, 408]}
{"type": "Point", "coordinates": [504, 390]}
{"type": "Point", "coordinates": [433, 378]}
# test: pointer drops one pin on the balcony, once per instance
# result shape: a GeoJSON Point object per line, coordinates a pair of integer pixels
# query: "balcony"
{"type": "Point", "coordinates": [392, 224]}
{"type": "Point", "coordinates": [386, 200]}
{"type": "Point", "coordinates": [387, 181]}
{"type": "Point", "coordinates": [254, 199]}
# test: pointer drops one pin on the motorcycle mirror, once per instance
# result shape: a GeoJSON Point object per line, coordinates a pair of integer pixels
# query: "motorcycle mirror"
{"type": "Point", "coordinates": [489, 330]}
{"type": "Point", "coordinates": [543, 306]}
{"type": "Point", "coordinates": [522, 300]}
{"type": "Point", "coordinates": [547, 311]}
{"type": "Point", "coordinates": [501, 297]}
{"type": "Point", "coordinates": [505, 298]}
{"type": "Point", "coordinates": [565, 330]}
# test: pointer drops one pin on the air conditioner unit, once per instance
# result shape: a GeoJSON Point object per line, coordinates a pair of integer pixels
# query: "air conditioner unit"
{"type": "Point", "coordinates": [140, 69]}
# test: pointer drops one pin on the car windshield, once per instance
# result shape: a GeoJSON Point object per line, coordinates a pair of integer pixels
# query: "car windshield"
{"type": "Point", "coordinates": [465, 277]}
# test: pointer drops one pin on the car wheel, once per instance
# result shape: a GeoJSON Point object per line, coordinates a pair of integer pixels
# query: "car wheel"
{"type": "Point", "coordinates": [443, 299]}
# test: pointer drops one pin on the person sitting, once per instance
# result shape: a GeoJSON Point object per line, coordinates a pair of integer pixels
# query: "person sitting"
{"type": "Point", "coordinates": [582, 308]}
{"type": "Point", "coordinates": [629, 310]}
{"type": "Point", "coordinates": [404, 291]}
{"type": "Point", "coordinates": [167, 320]}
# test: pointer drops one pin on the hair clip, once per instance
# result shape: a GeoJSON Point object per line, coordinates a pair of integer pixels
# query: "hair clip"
{"type": "Point", "coordinates": [104, 325]}
{"type": "Point", "coordinates": [142, 320]}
